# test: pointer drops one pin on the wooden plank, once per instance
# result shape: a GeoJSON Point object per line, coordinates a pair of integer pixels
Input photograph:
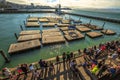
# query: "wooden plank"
{"type": "Point", "coordinates": [29, 32]}
{"type": "Point", "coordinates": [108, 32]}
{"type": "Point", "coordinates": [83, 29]}
{"type": "Point", "coordinates": [55, 39]}
{"type": "Point", "coordinates": [29, 37]}
{"type": "Point", "coordinates": [22, 46]}
{"type": "Point", "coordinates": [32, 24]}
{"type": "Point", "coordinates": [49, 25]}
{"type": "Point", "coordinates": [32, 19]}
{"type": "Point", "coordinates": [64, 28]}
{"type": "Point", "coordinates": [50, 30]}
{"type": "Point", "coordinates": [67, 21]}
{"type": "Point", "coordinates": [62, 25]}
{"type": "Point", "coordinates": [94, 34]}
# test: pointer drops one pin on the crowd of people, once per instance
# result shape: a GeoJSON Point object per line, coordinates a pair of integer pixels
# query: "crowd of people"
{"type": "Point", "coordinates": [95, 59]}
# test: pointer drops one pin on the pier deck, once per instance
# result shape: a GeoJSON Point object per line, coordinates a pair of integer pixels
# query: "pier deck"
{"type": "Point", "coordinates": [49, 24]}
{"type": "Point", "coordinates": [43, 20]}
{"type": "Point", "coordinates": [29, 37]}
{"type": "Point", "coordinates": [63, 25]}
{"type": "Point", "coordinates": [32, 24]}
{"type": "Point", "coordinates": [108, 32]}
{"type": "Point", "coordinates": [22, 46]}
{"type": "Point", "coordinates": [29, 32]}
{"type": "Point", "coordinates": [32, 19]}
{"type": "Point", "coordinates": [94, 34]}
{"type": "Point", "coordinates": [66, 21]}
{"type": "Point", "coordinates": [83, 29]}
{"type": "Point", "coordinates": [51, 34]}
{"type": "Point", "coordinates": [64, 28]}
{"type": "Point", "coordinates": [50, 30]}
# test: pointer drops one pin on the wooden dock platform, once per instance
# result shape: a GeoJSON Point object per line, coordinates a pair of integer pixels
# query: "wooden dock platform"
{"type": "Point", "coordinates": [22, 46]}
{"type": "Point", "coordinates": [73, 35]}
{"type": "Point", "coordinates": [32, 24]}
{"type": "Point", "coordinates": [49, 24]}
{"type": "Point", "coordinates": [63, 25]}
{"type": "Point", "coordinates": [83, 29]}
{"type": "Point", "coordinates": [32, 19]}
{"type": "Point", "coordinates": [108, 32]}
{"type": "Point", "coordinates": [43, 20]}
{"type": "Point", "coordinates": [50, 30]}
{"type": "Point", "coordinates": [29, 32]}
{"type": "Point", "coordinates": [94, 34]}
{"type": "Point", "coordinates": [64, 28]}
{"type": "Point", "coordinates": [66, 21]}
{"type": "Point", "coordinates": [51, 40]}
{"type": "Point", "coordinates": [29, 37]}
{"type": "Point", "coordinates": [51, 34]}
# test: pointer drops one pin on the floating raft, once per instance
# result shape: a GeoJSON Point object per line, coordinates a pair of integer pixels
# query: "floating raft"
{"type": "Point", "coordinates": [108, 32]}
{"type": "Point", "coordinates": [83, 29]}
{"type": "Point", "coordinates": [64, 28]}
{"type": "Point", "coordinates": [49, 25]}
{"type": "Point", "coordinates": [32, 19]}
{"type": "Point", "coordinates": [50, 30]}
{"type": "Point", "coordinates": [45, 34]}
{"type": "Point", "coordinates": [29, 37]}
{"type": "Point", "coordinates": [43, 20]}
{"type": "Point", "coordinates": [94, 34]}
{"type": "Point", "coordinates": [77, 21]}
{"type": "Point", "coordinates": [22, 46]}
{"type": "Point", "coordinates": [62, 25]}
{"type": "Point", "coordinates": [55, 39]}
{"type": "Point", "coordinates": [94, 27]}
{"type": "Point", "coordinates": [73, 36]}
{"type": "Point", "coordinates": [66, 21]}
{"type": "Point", "coordinates": [29, 32]}
{"type": "Point", "coordinates": [32, 24]}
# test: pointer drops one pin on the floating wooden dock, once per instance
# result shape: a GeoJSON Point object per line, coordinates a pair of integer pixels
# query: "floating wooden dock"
{"type": "Point", "coordinates": [45, 34]}
{"type": "Point", "coordinates": [63, 25]}
{"type": "Point", "coordinates": [43, 20]}
{"type": "Point", "coordinates": [108, 32]}
{"type": "Point", "coordinates": [29, 32]}
{"type": "Point", "coordinates": [29, 37]}
{"type": "Point", "coordinates": [94, 27]}
{"type": "Point", "coordinates": [83, 29]}
{"type": "Point", "coordinates": [32, 24]}
{"type": "Point", "coordinates": [22, 46]}
{"type": "Point", "coordinates": [73, 35]}
{"type": "Point", "coordinates": [32, 19]}
{"type": "Point", "coordinates": [49, 24]}
{"type": "Point", "coordinates": [94, 34]}
{"type": "Point", "coordinates": [66, 21]}
{"type": "Point", "coordinates": [51, 40]}
{"type": "Point", "coordinates": [50, 30]}
{"type": "Point", "coordinates": [64, 28]}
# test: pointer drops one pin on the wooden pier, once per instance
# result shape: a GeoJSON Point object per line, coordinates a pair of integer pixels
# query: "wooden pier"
{"type": "Point", "coordinates": [94, 34]}
{"type": "Point", "coordinates": [32, 19]}
{"type": "Point", "coordinates": [29, 37]}
{"type": "Point", "coordinates": [66, 21]}
{"type": "Point", "coordinates": [29, 32]}
{"type": "Point", "coordinates": [63, 25]}
{"type": "Point", "coordinates": [43, 20]}
{"type": "Point", "coordinates": [64, 28]}
{"type": "Point", "coordinates": [83, 29]}
{"type": "Point", "coordinates": [32, 24]}
{"type": "Point", "coordinates": [75, 35]}
{"type": "Point", "coordinates": [50, 30]}
{"type": "Point", "coordinates": [108, 32]}
{"type": "Point", "coordinates": [45, 34]}
{"type": "Point", "coordinates": [22, 46]}
{"type": "Point", "coordinates": [49, 24]}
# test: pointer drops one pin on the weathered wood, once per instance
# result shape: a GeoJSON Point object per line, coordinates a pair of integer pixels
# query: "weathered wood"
{"type": "Point", "coordinates": [17, 47]}
{"type": "Point", "coordinates": [29, 37]}
{"type": "Point", "coordinates": [64, 28]}
{"type": "Point", "coordinates": [29, 32]}
{"type": "Point", "coordinates": [94, 34]}
{"type": "Point", "coordinates": [108, 32]}
{"type": "Point", "coordinates": [43, 20]}
{"type": "Point", "coordinates": [51, 30]}
{"type": "Point", "coordinates": [49, 25]}
{"type": "Point", "coordinates": [83, 29]}
{"type": "Point", "coordinates": [51, 34]}
{"type": "Point", "coordinates": [66, 21]}
{"type": "Point", "coordinates": [32, 24]}
{"type": "Point", "coordinates": [62, 25]}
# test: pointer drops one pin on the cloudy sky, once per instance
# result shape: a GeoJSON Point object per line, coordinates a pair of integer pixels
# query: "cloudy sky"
{"type": "Point", "coordinates": [74, 3]}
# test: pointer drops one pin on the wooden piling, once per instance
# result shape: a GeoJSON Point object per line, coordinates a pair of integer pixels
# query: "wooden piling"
{"type": "Point", "coordinates": [103, 25]}
{"type": "Point", "coordinates": [16, 36]}
{"type": "Point", "coordinates": [4, 56]}
{"type": "Point", "coordinates": [89, 23]}
{"type": "Point", "coordinates": [21, 27]}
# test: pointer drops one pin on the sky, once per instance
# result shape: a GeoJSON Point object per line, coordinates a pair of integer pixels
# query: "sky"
{"type": "Point", "coordinates": [74, 3]}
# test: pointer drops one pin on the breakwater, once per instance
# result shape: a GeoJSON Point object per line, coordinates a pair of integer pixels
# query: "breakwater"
{"type": "Point", "coordinates": [93, 17]}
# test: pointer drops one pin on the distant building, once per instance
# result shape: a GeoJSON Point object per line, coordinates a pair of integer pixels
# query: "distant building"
{"type": "Point", "coordinates": [3, 1]}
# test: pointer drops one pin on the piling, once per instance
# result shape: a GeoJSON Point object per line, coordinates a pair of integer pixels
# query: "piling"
{"type": "Point", "coordinates": [103, 25]}
{"type": "Point", "coordinates": [21, 27]}
{"type": "Point", "coordinates": [4, 56]}
{"type": "Point", "coordinates": [16, 36]}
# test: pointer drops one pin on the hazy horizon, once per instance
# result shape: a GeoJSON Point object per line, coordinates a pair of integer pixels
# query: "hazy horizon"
{"type": "Point", "coordinates": [73, 3]}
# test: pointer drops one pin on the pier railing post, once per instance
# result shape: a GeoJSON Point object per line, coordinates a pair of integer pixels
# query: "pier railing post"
{"type": "Point", "coordinates": [4, 56]}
